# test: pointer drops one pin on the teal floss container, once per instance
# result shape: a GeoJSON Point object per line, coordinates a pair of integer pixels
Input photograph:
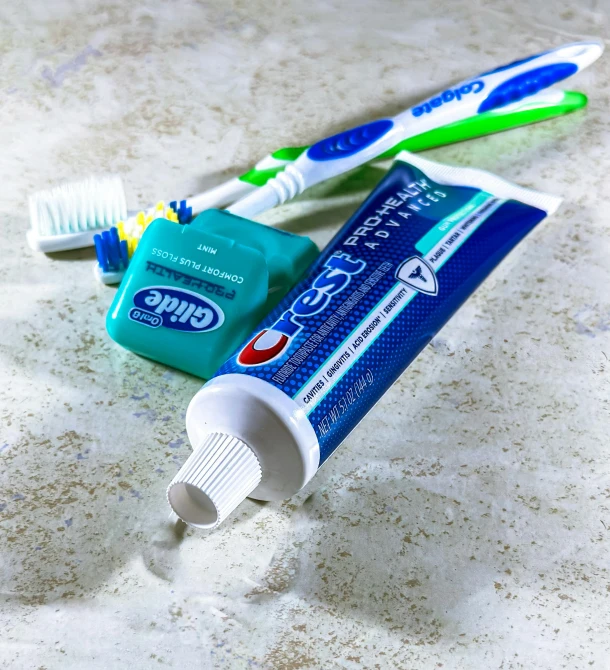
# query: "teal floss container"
{"type": "Point", "coordinates": [192, 293]}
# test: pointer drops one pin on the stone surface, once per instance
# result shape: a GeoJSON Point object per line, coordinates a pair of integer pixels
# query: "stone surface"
{"type": "Point", "coordinates": [465, 523]}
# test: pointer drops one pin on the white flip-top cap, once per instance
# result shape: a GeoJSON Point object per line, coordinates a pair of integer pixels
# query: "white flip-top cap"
{"type": "Point", "coordinates": [217, 477]}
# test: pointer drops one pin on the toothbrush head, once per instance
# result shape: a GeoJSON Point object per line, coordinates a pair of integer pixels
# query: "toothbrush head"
{"type": "Point", "coordinates": [68, 216]}
{"type": "Point", "coordinates": [112, 256]}
{"type": "Point", "coordinates": [115, 247]}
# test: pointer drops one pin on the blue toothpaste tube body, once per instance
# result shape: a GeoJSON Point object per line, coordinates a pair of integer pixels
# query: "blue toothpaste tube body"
{"type": "Point", "coordinates": [390, 279]}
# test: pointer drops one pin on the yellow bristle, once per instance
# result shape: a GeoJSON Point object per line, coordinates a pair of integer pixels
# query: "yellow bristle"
{"type": "Point", "coordinates": [131, 246]}
{"type": "Point", "coordinates": [140, 223]}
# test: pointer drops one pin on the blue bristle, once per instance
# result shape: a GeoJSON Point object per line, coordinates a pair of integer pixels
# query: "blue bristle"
{"type": "Point", "coordinates": [115, 236]}
{"type": "Point", "coordinates": [106, 239]}
{"type": "Point", "coordinates": [184, 213]}
{"type": "Point", "coordinates": [124, 254]}
{"type": "Point", "coordinates": [111, 251]}
{"type": "Point", "coordinates": [100, 252]}
{"type": "Point", "coordinates": [114, 259]}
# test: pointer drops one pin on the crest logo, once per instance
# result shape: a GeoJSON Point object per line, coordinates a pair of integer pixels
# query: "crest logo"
{"type": "Point", "coordinates": [272, 342]}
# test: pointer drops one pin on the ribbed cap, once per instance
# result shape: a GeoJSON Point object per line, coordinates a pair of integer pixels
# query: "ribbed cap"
{"type": "Point", "coordinates": [216, 478]}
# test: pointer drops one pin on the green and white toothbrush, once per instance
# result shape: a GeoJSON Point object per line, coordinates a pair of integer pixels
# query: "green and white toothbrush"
{"type": "Point", "coordinates": [545, 105]}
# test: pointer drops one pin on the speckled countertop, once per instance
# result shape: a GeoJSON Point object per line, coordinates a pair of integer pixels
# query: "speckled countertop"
{"type": "Point", "coordinates": [465, 523]}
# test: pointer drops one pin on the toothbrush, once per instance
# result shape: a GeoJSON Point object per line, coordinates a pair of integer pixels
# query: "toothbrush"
{"type": "Point", "coordinates": [68, 216]}
{"type": "Point", "coordinates": [114, 247]}
{"type": "Point", "coordinates": [544, 105]}
{"type": "Point", "coordinates": [111, 264]}
{"type": "Point", "coordinates": [489, 91]}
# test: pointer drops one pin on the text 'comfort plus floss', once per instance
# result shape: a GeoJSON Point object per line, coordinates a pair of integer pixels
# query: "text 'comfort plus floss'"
{"type": "Point", "coordinates": [386, 284]}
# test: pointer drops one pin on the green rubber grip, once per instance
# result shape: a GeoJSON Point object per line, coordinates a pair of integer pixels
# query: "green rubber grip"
{"type": "Point", "coordinates": [486, 124]}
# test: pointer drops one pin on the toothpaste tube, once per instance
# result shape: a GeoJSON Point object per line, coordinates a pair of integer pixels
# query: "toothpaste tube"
{"type": "Point", "coordinates": [391, 278]}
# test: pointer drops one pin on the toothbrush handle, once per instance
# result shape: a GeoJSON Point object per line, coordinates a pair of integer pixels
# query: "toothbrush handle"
{"type": "Point", "coordinates": [219, 196]}
{"type": "Point", "coordinates": [489, 91]}
{"type": "Point", "coordinates": [501, 87]}
{"type": "Point", "coordinates": [546, 105]}
{"type": "Point", "coordinates": [325, 159]}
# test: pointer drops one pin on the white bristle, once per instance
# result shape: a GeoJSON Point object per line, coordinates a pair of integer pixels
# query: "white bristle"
{"type": "Point", "coordinates": [96, 202]}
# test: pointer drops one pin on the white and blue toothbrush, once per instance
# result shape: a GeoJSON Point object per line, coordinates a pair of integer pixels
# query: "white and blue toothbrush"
{"type": "Point", "coordinates": [491, 90]}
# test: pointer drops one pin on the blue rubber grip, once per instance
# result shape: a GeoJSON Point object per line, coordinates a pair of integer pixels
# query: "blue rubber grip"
{"type": "Point", "coordinates": [525, 84]}
{"type": "Point", "coordinates": [349, 142]}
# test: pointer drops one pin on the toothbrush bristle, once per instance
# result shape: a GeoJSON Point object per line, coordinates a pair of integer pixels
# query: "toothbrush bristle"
{"type": "Point", "coordinates": [115, 247]}
{"type": "Point", "coordinates": [96, 202]}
